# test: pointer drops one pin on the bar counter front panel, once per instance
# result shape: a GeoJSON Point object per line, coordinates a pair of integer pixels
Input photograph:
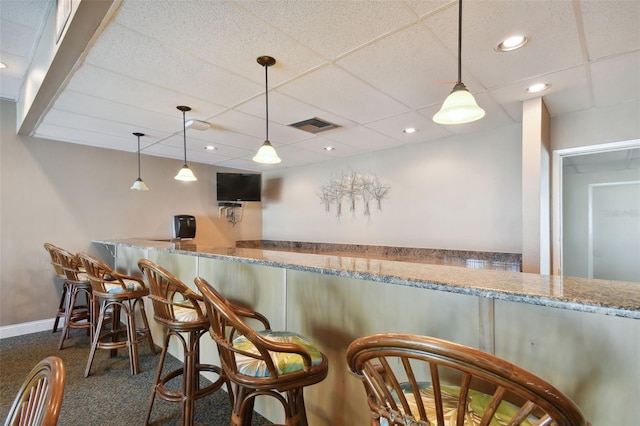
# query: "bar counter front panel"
{"type": "Point", "coordinates": [581, 335]}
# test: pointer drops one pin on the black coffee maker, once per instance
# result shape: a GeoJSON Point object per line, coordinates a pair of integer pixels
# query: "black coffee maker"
{"type": "Point", "coordinates": [184, 227]}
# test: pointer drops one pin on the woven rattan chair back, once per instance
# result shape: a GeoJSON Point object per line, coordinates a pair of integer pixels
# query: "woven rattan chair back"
{"type": "Point", "coordinates": [53, 251]}
{"type": "Point", "coordinates": [228, 327]}
{"type": "Point", "coordinates": [40, 397]}
{"type": "Point", "coordinates": [169, 295]}
{"type": "Point", "coordinates": [419, 380]}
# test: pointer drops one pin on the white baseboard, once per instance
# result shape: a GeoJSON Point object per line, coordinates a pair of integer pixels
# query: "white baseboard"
{"type": "Point", "coordinates": [28, 328]}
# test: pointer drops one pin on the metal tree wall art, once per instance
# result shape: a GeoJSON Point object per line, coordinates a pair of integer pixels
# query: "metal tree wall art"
{"type": "Point", "coordinates": [352, 187]}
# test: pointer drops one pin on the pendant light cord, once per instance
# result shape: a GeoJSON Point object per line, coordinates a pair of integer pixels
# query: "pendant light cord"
{"type": "Point", "coordinates": [266, 97]}
{"type": "Point", "coordinates": [184, 135]}
{"type": "Point", "coordinates": [138, 157]}
{"type": "Point", "coordinates": [460, 41]}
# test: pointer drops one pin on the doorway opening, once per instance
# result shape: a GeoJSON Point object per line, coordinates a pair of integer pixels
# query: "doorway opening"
{"type": "Point", "coordinates": [596, 211]}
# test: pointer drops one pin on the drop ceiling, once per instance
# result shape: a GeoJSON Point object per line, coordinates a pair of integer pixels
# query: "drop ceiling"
{"type": "Point", "coordinates": [372, 68]}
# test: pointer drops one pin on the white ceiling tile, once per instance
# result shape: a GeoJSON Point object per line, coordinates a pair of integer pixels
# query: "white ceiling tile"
{"type": "Point", "coordinates": [317, 144]}
{"type": "Point", "coordinates": [427, 7]}
{"type": "Point", "coordinates": [16, 39]}
{"type": "Point", "coordinates": [125, 90]}
{"type": "Point", "coordinates": [364, 139]}
{"type": "Point", "coordinates": [335, 90]}
{"type": "Point", "coordinates": [207, 22]}
{"type": "Point", "coordinates": [611, 27]}
{"type": "Point", "coordinates": [616, 79]}
{"type": "Point", "coordinates": [239, 122]}
{"type": "Point", "coordinates": [393, 63]}
{"type": "Point", "coordinates": [27, 13]}
{"type": "Point", "coordinates": [336, 27]}
{"type": "Point", "coordinates": [394, 126]}
{"type": "Point", "coordinates": [286, 110]}
{"type": "Point", "coordinates": [132, 54]}
{"type": "Point", "coordinates": [10, 87]}
{"type": "Point", "coordinates": [85, 137]}
{"type": "Point", "coordinates": [85, 106]}
{"type": "Point", "coordinates": [298, 154]}
{"type": "Point", "coordinates": [567, 88]}
{"type": "Point", "coordinates": [550, 24]}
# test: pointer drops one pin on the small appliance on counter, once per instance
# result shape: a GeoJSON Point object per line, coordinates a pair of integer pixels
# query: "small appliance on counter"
{"type": "Point", "coordinates": [184, 227]}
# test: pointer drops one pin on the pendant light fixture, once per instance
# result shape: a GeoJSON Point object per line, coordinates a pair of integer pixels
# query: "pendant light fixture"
{"type": "Point", "coordinates": [139, 184]}
{"type": "Point", "coordinates": [266, 154]}
{"type": "Point", "coordinates": [460, 106]}
{"type": "Point", "coordinates": [185, 173]}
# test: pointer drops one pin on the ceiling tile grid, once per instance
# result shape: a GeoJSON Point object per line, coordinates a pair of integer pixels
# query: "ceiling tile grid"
{"type": "Point", "coordinates": [371, 67]}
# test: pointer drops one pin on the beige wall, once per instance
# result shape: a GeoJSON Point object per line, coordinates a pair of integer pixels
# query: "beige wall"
{"type": "Point", "coordinates": [69, 194]}
{"type": "Point", "coordinates": [596, 126]}
{"type": "Point", "coordinates": [462, 192]}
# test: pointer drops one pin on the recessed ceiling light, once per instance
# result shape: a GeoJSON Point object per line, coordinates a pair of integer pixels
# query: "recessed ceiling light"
{"type": "Point", "coordinates": [329, 148]}
{"type": "Point", "coordinates": [2, 65]}
{"type": "Point", "coordinates": [410, 130]}
{"type": "Point", "coordinates": [512, 43]}
{"type": "Point", "coordinates": [539, 87]}
{"type": "Point", "coordinates": [210, 148]}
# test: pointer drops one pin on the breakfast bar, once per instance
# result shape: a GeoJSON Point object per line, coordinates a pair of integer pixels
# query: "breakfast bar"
{"type": "Point", "coordinates": [581, 335]}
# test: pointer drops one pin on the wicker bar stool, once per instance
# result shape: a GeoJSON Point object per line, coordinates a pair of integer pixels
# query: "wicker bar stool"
{"type": "Point", "coordinates": [78, 310]}
{"type": "Point", "coordinates": [77, 315]}
{"type": "Point", "coordinates": [183, 314]}
{"type": "Point", "coordinates": [121, 294]}
{"type": "Point", "coordinates": [420, 380]}
{"type": "Point", "coordinates": [40, 396]}
{"type": "Point", "coordinates": [277, 364]}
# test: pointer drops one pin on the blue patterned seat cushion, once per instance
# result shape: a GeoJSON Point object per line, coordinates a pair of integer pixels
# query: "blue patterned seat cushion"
{"type": "Point", "coordinates": [131, 285]}
{"type": "Point", "coordinates": [477, 403]}
{"type": "Point", "coordinates": [284, 362]}
{"type": "Point", "coordinates": [187, 314]}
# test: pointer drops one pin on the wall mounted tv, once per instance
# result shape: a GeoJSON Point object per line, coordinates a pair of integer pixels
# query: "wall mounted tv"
{"type": "Point", "coordinates": [234, 187]}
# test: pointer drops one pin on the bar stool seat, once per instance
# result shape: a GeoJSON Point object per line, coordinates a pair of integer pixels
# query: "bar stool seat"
{"type": "Point", "coordinates": [183, 314]}
{"type": "Point", "coordinates": [120, 294]}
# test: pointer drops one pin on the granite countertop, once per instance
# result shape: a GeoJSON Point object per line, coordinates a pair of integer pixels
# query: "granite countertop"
{"type": "Point", "coordinates": [607, 297]}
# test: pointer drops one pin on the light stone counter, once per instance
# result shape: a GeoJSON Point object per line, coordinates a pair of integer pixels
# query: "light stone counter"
{"type": "Point", "coordinates": [616, 298]}
{"type": "Point", "coordinates": [581, 335]}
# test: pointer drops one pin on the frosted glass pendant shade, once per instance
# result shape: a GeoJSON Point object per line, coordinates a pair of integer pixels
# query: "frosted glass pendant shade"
{"type": "Point", "coordinates": [185, 174]}
{"type": "Point", "coordinates": [459, 107]}
{"type": "Point", "coordinates": [267, 154]}
{"type": "Point", "coordinates": [139, 185]}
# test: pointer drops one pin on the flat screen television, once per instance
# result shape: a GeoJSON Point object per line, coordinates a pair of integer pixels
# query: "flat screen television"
{"type": "Point", "coordinates": [234, 187]}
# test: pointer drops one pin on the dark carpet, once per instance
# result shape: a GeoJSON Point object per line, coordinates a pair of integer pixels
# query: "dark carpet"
{"type": "Point", "coordinates": [110, 395]}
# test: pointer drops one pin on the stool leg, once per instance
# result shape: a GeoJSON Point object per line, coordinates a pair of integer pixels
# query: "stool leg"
{"type": "Point", "coordinates": [96, 337]}
{"type": "Point", "coordinates": [115, 326]}
{"type": "Point", "coordinates": [295, 398]}
{"type": "Point", "coordinates": [191, 381]}
{"type": "Point", "coordinates": [68, 303]}
{"type": "Point", "coordinates": [163, 354]}
{"type": "Point", "coordinates": [242, 407]}
{"type": "Point", "coordinates": [61, 308]}
{"type": "Point", "coordinates": [152, 345]}
{"type": "Point", "coordinates": [132, 337]}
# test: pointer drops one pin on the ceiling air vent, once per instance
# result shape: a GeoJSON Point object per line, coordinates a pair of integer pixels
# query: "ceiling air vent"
{"type": "Point", "coordinates": [314, 125]}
